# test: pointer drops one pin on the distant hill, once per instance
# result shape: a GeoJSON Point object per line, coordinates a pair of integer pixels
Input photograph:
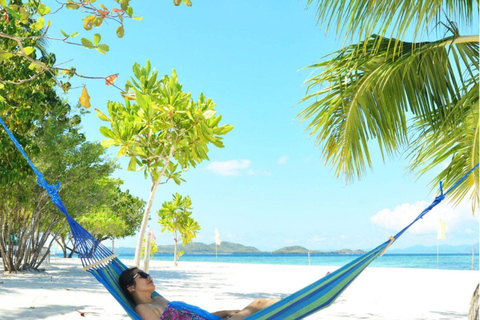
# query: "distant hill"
{"type": "Point", "coordinates": [443, 249]}
{"type": "Point", "coordinates": [202, 248]}
{"type": "Point", "coordinates": [230, 247]}
{"type": "Point", "coordinates": [294, 249]}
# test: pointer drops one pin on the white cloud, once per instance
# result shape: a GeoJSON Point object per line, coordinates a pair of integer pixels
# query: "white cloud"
{"type": "Point", "coordinates": [260, 172]}
{"type": "Point", "coordinates": [229, 168]}
{"type": "Point", "coordinates": [455, 218]}
{"type": "Point", "coordinates": [282, 160]}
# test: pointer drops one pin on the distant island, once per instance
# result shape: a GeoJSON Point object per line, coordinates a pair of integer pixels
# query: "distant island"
{"type": "Point", "coordinates": [235, 248]}
{"type": "Point", "coordinates": [202, 248]}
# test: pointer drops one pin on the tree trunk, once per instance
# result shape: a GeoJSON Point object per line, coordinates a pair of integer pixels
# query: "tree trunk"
{"type": "Point", "coordinates": [473, 314]}
{"type": "Point", "coordinates": [175, 261]}
{"type": "Point", "coordinates": [146, 214]}
{"type": "Point", "coordinates": [146, 258]}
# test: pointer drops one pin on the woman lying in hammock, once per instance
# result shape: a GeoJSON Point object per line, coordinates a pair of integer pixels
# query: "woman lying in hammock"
{"type": "Point", "coordinates": [138, 287]}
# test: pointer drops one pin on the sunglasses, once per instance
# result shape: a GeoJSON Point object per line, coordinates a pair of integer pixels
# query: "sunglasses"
{"type": "Point", "coordinates": [142, 274]}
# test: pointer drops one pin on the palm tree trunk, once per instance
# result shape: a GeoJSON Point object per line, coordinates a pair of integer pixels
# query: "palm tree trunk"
{"type": "Point", "coordinates": [473, 314]}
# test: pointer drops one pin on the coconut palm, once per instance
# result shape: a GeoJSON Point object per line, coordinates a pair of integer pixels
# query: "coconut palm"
{"type": "Point", "coordinates": [417, 98]}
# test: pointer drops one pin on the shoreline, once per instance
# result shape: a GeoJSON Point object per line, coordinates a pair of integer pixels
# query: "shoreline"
{"type": "Point", "coordinates": [65, 291]}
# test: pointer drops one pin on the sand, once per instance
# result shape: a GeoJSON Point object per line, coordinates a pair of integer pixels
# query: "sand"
{"type": "Point", "coordinates": [64, 291]}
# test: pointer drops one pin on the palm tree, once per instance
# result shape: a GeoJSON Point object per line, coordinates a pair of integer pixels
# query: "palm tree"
{"type": "Point", "coordinates": [414, 98]}
{"type": "Point", "coordinates": [417, 98]}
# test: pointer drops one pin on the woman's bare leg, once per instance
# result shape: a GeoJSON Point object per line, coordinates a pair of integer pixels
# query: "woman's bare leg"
{"type": "Point", "coordinates": [255, 306]}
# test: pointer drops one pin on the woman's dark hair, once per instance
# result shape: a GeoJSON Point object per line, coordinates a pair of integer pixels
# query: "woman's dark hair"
{"type": "Point", "coordinates": [125, 280]}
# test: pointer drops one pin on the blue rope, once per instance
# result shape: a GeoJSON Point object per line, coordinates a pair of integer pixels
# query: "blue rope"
{"type": "Point", "coordinates": [52, 189]}
{"type": "Point", "coordinates": [437, 200]}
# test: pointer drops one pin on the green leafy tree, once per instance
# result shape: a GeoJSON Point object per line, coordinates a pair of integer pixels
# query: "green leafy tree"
{"type": "Point", "coordinates": [52, 140]}
{"type": "Point", "coordinates": [162, 130]}
{"type": "Point", "coordinates": [35, 15]}
{"type": "Point", "coordinates": [18, 15]}
{"type": "Point", "coordinates": [120, 216]}
{"type": "Point", "coordinates": [49, 132]}
{"type": "Point", "coordinates": [418, 98]}
{"type": "Point", "coordinates": [175, 217]}
{"type": "Point", "coordinates": [153, 248]}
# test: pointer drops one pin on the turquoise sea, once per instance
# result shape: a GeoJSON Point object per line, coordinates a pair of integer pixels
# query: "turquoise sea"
{"type": "Point", "coordinates": [426, 261]}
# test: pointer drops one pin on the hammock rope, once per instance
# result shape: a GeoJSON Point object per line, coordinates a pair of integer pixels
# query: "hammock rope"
{"type": "Point", "coordinates": [106, 267]}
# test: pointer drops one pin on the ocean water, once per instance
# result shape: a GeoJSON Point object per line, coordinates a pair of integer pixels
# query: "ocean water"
{"type": "Point", "coordinates": [425, 261]}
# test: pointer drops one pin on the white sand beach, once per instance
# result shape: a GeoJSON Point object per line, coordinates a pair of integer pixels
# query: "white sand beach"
{"type": "Point", "coordinates": [64, 291]}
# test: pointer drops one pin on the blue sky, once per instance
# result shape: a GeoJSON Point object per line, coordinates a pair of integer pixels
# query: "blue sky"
{"type": "Point", "coordinates": [268, 187]}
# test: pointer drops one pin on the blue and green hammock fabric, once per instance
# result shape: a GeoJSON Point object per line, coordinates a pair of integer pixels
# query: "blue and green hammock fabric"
{"type": "Point", "coordinates": [106, 267]}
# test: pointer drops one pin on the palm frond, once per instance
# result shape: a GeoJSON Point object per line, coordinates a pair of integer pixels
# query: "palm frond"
{"type": "Point", "coordinates": [365, 93]}
{"type": "Point", "coordinates": [365, 17]}
{"type": "Point", "coordinates": [452, 143]}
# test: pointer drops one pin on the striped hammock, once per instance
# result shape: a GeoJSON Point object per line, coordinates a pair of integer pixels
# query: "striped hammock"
{"type": "Point", "coordinates": [106, 267]}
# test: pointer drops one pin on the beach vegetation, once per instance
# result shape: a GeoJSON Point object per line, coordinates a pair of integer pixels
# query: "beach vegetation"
{"type": "Point", "coordinates": [50, 132]}
{"type": "Point", "coordinates": [153, 247]}
{"type": "Point", "coordinates": [50, 135]}
{"type": "Point", "coordinates": [175, 217]}
{"type": "Point", "coordinates": [118, 218]}
{"type": "Point", "coordinates": [162, 130]}
{"type": "Point", "coordinates": [393, 91]}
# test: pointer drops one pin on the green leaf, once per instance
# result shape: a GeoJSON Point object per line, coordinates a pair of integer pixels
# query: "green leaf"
{"type": "Point", "coordinates": [35, 66]}
{"type": "Point", "coordinates": [120, 31]}
{"type": "Point", "coordinates": [29, 50]}
{"type": "Point", "coordinates": [107, 132]}
{"type": "Point", "coordinates": [3, 3]}
{"type": "Point", "coordinates": [132, 165]}
{"type": "Point", "coordinates": [5, 55]}
{"type": "Point", "coordinates": [107, 143]}
{"type": "Point", "coordinates": [97, 22]}
{"type": "Point", "coordinates": [72, 5]}
{"type": "Point", "coordinates": [74, 34]}
{"type": "Point", "coordinates": [13, 13]}
{"type": "Point", "coordinates": [63, 32]}
{"type": "Point", "coordinates": [102, 115]}
{"type": "Point", "coordinates": [103, 48]}
{"type": "Point", "coordinates": [208, 114]}
{"type": "Point", "coordinates": [25, 15]}
{"type": "Point", "coordinates": [137, 18]}
{"type": "Point", "coordinates": [96, 38]}
{"type": "Point", "coordinates": [87, 43]}
{"type": "Point", "coordinates": [43, 9]}
{"type": "Point", "coordinates": [124, 4]}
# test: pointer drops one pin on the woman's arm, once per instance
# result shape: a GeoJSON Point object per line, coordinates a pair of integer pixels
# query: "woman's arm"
{"type": "Point", "coordinates": [226, 313]}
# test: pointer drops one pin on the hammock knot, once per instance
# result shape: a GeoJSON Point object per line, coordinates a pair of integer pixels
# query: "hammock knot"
{"type": "Point", "coordinates": [439, 198]}
{"type": "Point", "coordinates": [52, 189]}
